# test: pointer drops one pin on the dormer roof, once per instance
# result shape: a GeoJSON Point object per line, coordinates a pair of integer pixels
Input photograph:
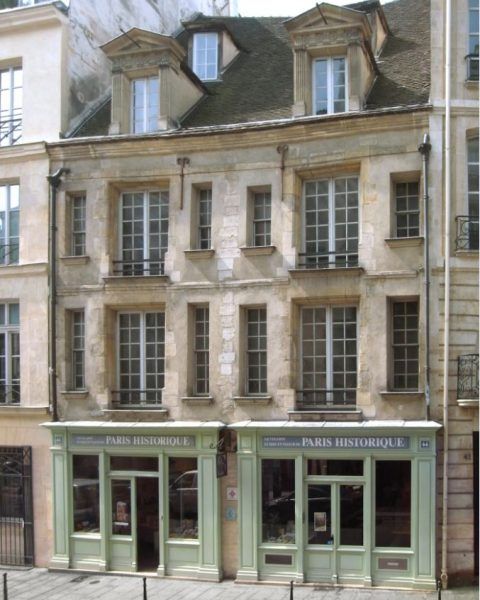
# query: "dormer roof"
{"type": "Point", "coordinates": [328, 15]}
{"type": "Point", "coordinates": [136, 41]}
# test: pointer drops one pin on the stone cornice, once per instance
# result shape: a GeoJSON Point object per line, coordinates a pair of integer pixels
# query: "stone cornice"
{"type": "Point", "coordinates": [224, 137]}
{"type": "Point", "coordinates": [23, 152]}
{"type": "Point", "coordinates": [40, 15]}
{"type": "Point", "coordinates": [25, 270]}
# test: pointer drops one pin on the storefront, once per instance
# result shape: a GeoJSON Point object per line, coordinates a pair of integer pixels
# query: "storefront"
{"type": "Point", "coordinates": [137, 497]}
{"type": "Point", "coordinates": [338, 503]}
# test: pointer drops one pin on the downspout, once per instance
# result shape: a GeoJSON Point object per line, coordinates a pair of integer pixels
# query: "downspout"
{"type": "Point", "coordinates": [282, 150]}
{"type": "Point", "coordinates": [446, 245]}
{"type": "Point", "coordinates": [424, 150]}
{"type": "Point", "coordinates": [54, 180]}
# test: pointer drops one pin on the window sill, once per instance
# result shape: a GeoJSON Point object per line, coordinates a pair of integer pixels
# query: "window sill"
{"type": "Point", "coordinates": [352, 415]}
{"type": "Point", "coordinates": [399, 395]}
{"type": "Point", "coordinates": [404, 242]}
{"type": "Point", "coordinates": [466, 253]}
{"type": "Point", "coordinates": [135, 279]}
{"type": "Point", "coordinates": [71, 261]}
{"type": "Point", "coordinates": [74, 394]}
{"type": "Point", "coordinates": [252, 400]}
{"type": "Point", "coordinates": [13, 410]}
{"type": "Point", "coordinates": [147, 410]}
{"type": "Point", "coordinates": [197, 400]}
{"type": "Point", "coordinates": [468, 402]}
{"type": "Point", "coordinates": [257, 250]}
{"type": "Point", "coordinates": [348, 271]}
{"type": "Point", "coordinates": [471, 84]}
{"type": "Point", "coordinates": [199, 254]}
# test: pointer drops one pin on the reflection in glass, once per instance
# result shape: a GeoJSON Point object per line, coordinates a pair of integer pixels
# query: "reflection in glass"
{"type": "Point", "coordinates": [85, 494]}
{"type": "Point", "coordinates": [393, 503]}
{"type": "Point", "coordinates": [335, 467]}
{"type": "Point", "coordinates": [121, 507]}
{"type": "Point", "coordinates": [183, 497]}
{"type": "Point", "coordinates": [351, 515]}
{"type": "Point", "coordinates": [134, 463]}
{"type": "Point", "coordinates": [278, 501]}
{"type": "Point", "coordinates": [319, 514]}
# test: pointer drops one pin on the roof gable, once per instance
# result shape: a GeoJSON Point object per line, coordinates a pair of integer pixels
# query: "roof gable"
{"type": "Point", "coordinates": [326, 15]}
{"type": "Point", "coordinates": [137, 40]}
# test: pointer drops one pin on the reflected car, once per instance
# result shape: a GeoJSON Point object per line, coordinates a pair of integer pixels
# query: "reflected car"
{"type": "Point", "coordinates": [183, 495]}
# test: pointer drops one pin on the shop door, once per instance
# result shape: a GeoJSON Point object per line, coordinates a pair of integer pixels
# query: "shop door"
{"type": "Point", "coordinates": [334, 532]}
{"type": "Point", "coordinates": [147, 523]}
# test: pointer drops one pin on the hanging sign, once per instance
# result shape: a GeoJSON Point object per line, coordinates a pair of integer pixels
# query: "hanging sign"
{"type": "Point", "coordinates": [222, 468]}
{"type": "Point", "coordinates": [337, 442]}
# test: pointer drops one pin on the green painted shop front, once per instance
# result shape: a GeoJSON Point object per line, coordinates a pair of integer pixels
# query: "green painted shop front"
{"type": "Point", "coordinates": [136, 497]}
{"type": "Point", "coordinates": [337, 503]}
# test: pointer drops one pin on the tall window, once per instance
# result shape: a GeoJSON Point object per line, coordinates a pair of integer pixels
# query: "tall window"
{"type": "Point", "coordinates": [405, 345]}
{"type": "Point", "coordinates": [262, 215]}
{"type": "Point", "coordinates": [407, 210]}
{"type": "Point", "coordinates": [86, 494]}
{"type": "Point", "coordinates": [205, 55]}
{"type": "Point", "coordinates": [204, 219]}
{"type": "Point", "coordinates": [329, 356]}
{"type": "Point", "coordinates": [11, 103]}
{"type": "Point", "coordinates": [256, 363]}
{"type": "Point", "coordinates": [9, 353]}
{"type": "Point", "coordinates": [141, 349]}
{"type": "Point", "coordinates": [278, 501]}
{"type": "Point", "coordinates": [182, 497]}
{"type": "Point", "coordinates": [473, 192]}
{"type": "Point", "coordinates": [144, 232]}
{"type": "Point", "coordinates": [201, 351]}
{"type": "Point", "coordinates": [331, 223]}
{"type": "Point", "coordinates": [78, 212]}
{"type": "Point", "coordinates": [329, 86]}
{"type": "Point", "coordinates": [145, 104]}
{"type": "Point", "coordinates": [78, 350]}
{"type": "Point", "coordinates": [473, 40]}
{"type": "Point", "coordinates": [393, 503]}
{"type": "Point", "coordinates": [9, 224]}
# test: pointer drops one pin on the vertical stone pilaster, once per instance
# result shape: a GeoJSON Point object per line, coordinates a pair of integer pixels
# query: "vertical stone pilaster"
{"type": "Point", "coordinates": [302, 83]}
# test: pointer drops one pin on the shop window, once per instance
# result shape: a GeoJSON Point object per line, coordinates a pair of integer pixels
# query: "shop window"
{"type": "Point", "coordinates": [407, 211]}
{"type": "Point", "coordinates": [9, 224]}
{"type": "Point", "coordinates": [351, 515]}
{"type": "Point", "coordinates": [405, 345]}
{"type": "Point", "coordinates": [143, 233]}
{"type": "Point", "coordinates": [393, 503]}
{"type": "Point", "coordinates": [86, 494]}
{"type": "Point", "coordinates": [320, 514]}
{"type": "Point", "coordinates": [256, 350]}
{"type": "Point", "coordinates": [121, 507]}
{"type": "Point", "coordinates": [278, 501]}
{"type": "Point", "coordinates": [330, 224]}
{"type": "Point", "coordinates": [335, 467]}
{"type": "Point", "coordinates": [78, 210]}
{"type": "Point", "coordinates": [134, 463]}
{"type": "Point", "coordinates": [201, 353]}
{"type": "Point", "coordinates": [183, 497]}
{"type": "Point", "coordinates": [9, 353]}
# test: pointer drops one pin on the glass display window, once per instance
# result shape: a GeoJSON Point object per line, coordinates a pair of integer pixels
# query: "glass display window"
{"type": "Point", "coordinates": [393, 503]}
{"type": "Point", "coordinates": [86, 494]}
{"type": "Point", "coordinates": [278, 501]}
{"type": "Point", "coordinates": [121, 507]}
{"type": "Point", "coordinates": [183, 497]}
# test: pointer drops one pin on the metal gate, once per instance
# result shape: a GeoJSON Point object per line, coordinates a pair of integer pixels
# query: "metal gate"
{"type": "Point", "coordinates": [16, 509]}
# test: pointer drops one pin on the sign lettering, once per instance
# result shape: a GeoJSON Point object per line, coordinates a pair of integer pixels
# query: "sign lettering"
{"type": "Point", "coordinates": [140, 441]}
{"type": "Point", "coordinates": [338, 442]}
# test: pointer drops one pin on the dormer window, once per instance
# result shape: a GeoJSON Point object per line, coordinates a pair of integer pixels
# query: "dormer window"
{"type": "Point", "coordinates": [145, 104]}
{"type": "Point", "coordinates": [205, 55]}
{"type": "Point", "coordinates": [329, 86]}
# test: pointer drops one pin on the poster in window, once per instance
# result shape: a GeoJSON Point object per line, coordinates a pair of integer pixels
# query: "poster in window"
{"type": "Point", "coordinates": [122, 514]}
{"type": "Point", "coordinates": [320, 521]}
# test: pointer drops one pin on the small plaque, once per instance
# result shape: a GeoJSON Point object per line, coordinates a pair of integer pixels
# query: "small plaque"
{"type": "Point", "coordinates": [424, 444]}
{"type": "Point", "coordinates": [231, 514]}
{"type": "Point", "coordinates": [58, 440]}
{"type": "Point", "coordinates": [232, 493]}
{"type": "Point", "coordinates": [393, 564]}
{"type": "Point", "coordinates": [278, 559]}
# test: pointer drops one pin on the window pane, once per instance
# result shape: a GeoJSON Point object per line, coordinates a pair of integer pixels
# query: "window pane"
{"type": "Point", "coordinates": [319, 514]}
{"type": "Point", "coordinates": [183, 497]}
{"type": "Point", "coordinates": [335, 467]}
{"type": "Point", "coordinates": [134, 463]}
{"type": "Point", "coordinates": [278, 501]}
{"type": "Point", "coordinates": [86, 495]}
{"type": "Point", "coordinates": [393, 503]}
{"type": "Point", "coordinates": [351, 515]}
{"type": "Point", "coordinates": [121, 507]}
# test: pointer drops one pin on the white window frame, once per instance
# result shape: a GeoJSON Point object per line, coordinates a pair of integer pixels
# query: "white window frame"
{"type": "Point", "coordinates": [266, 198]}
{"type": "Point", "coordinates": [204, 200]}
{"type": "Point", "coordinates": [15, 134]}
{"type": "Point", "coordinates": [199, 350]}
{"type": "Point", "coordinates": [78, 204]}
{"type": "Point", "coordinates": [405, 345]}
{"type": "Point", "coordinates": [5, 240]}
{"type": "Point", "coordinates": [408, 213]}
{"type": "Point", "coordinates": [472, 35]}
{"type": "Point", "coordinates": [330, 84]}
{"type": "Point", "coordinates": [196, 65]}
{"type": "Point", "coordinates": [145, 81]}
{"type": "Point", "coordinates": [77, 348]}
{"type": "Point", "coordinates": [8, 330]}
{"type": "Point", "coordinates": [260, 351]}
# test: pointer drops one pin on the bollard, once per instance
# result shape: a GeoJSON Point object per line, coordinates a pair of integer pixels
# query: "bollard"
{"type": "Point", "coordinates": [439, 589]}
{"type": "Point", "coordinates": [5, 590]}
{"type": "Point", "coordinates": [145, 588]}
{"type": "Point", "coordinates": [291, 590]}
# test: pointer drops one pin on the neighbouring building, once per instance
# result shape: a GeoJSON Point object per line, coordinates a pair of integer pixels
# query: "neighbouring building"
{"type": "Point", "coordinates": [246, 286]}
{"type": "Point", "coordinates": [52, 74]}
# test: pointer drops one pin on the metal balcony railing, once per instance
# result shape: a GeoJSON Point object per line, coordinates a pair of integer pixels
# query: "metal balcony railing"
{"type": "Point", "coordinates": [10, 131]}
{"type": "Point", "coordinates": [328, 260]}
{"type": "Point", "coordinates": [9, 394]}
{"type": "Point", "coordinates": [9, 254]}
{"type": "Point", "coordinates": [472, 67]}
{"type": "Point", "coordinates": [131, 268]}
{"type": "Point", "coordinates": [467, 232]}
{"type": "Point", "coordinates": [326, 399]}
{"type": "Point", "coordinates": [134, 399]}
{"type": "Point", "coordinates": [467, 377]}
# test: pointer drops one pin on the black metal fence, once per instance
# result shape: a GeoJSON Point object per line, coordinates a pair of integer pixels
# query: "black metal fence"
{"type": "Point", "coordinates": [467, 377]}
{"type": "Point", "coordinates": [467, 233]}
{"type": "Point", "coordinates": [132, 268]}
{"type": "Point", "coordinates": [328, 260]}
{"type": "Point", "coordinates": [136, 399]}
{"type": "Point", "coordinates": [344, 399]}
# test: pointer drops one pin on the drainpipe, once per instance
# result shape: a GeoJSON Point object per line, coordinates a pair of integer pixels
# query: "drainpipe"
{"type": "Point", "coordinates": [446, 245]}
{"type": "Point", "coordinates": [54, 180]}
{"type": "Point", "coordinates": [424, 150]}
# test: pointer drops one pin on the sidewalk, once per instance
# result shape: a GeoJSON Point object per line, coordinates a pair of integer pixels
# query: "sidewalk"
{"type": "Point", "coordinates": [40, 584]}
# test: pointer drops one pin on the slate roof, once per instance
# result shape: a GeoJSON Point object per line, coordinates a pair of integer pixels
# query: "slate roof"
{"type": "Point", "coordinates": [258, 84]}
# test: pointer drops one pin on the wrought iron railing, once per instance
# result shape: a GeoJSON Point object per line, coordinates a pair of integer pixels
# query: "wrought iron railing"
{"type": "Point", "coordinates": [9, 254]}
{"type": "Point", "coordinates": [136, 399]}
{"type": "Point", "coordinates": [9, 394]}
{"type": "Point", "coordinates": [326, 399]}
{"type": "Point", "coordinates": [467, 232]}
{"type": "Point", "coordinates": [472, 67]}
{"type": "Point", "coordinates": [131, 268]}
{"type": "Point", "coordinates": [327, 260]}
{"type": "Point", "coordinates": [10, 131]}
{"type": "Point", "coordinates": [467, 377]}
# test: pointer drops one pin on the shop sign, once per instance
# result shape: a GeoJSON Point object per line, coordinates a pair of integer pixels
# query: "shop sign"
{"type": "Point", "coordinates": [338, 442]}
{"type": "Point", "coordinates": [222, 465]}
{"type": "Point", "coordinates": [139, 441]}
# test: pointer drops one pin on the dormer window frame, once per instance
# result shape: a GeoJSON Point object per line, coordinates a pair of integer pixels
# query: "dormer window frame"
{"type": "Point", "coordinates": [146, 79]}
{"type": "Point", "coordinates": [330, 84]}
{"type": "Point", "coordinates": [195, 63]}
